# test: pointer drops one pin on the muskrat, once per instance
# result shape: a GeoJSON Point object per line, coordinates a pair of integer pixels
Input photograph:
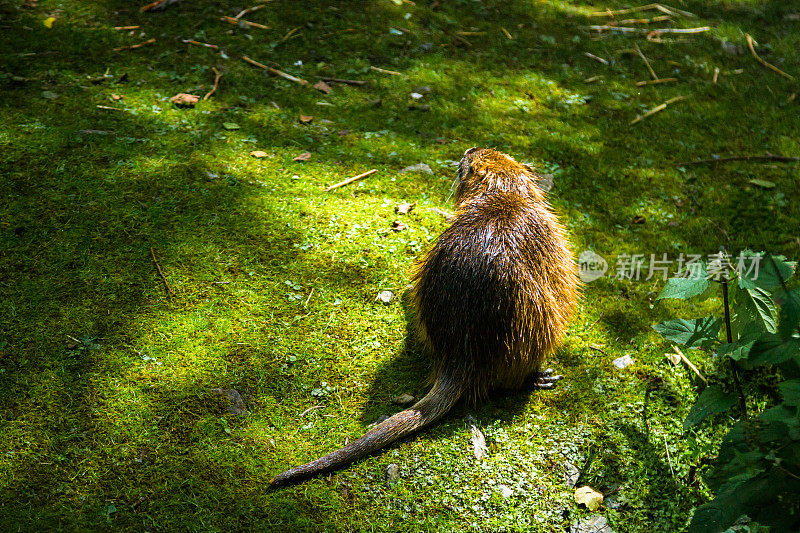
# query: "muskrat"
{"type": "Point", "coordinates": [491, 299]}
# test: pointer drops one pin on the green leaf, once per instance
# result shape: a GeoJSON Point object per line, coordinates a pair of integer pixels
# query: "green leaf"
{"type": "Point", "coordinates": [763, 183]}
{"type": "Point", "coordinates": [767, 272]}
{"type": "Point", "coordinates": [712, 401]}
{"type": "Point", "coordinates": [770, 349]}
{"type": "Point", "coordinates": [790, 390]}
{"type": "Point", "coordinates": [790, 311]}
{"type": "Point", "coordinates": [690, 333]}
{"type": "Point", "coordinates": [753, 303]}
{"type": "Point", "coordinates": [230, 125]}
{"type": "Point", "coordinates": [685, 288]}
{"type": "Point", "coordinates": [735, 350]}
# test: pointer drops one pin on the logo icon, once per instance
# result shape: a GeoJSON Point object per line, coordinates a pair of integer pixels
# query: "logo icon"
{"type": "Point", "coordinates": [592, 266]}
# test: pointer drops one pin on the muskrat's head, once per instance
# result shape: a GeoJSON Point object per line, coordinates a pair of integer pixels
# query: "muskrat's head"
{"type": "Point", "coordinates": [484, 170]}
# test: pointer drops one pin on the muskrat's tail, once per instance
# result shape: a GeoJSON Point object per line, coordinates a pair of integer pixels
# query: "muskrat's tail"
{"type": "Point", "coordinates": [444, 394]}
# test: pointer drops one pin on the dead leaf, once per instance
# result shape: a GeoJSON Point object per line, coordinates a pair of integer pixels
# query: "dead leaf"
{"type": "Point", "coordinates": [638, 219]}
{"type": "Point", "coordinates": [185, 100]}
{"type": "Point", "coordinates": [259, 153]}
{"type": "Point", "coordinates": [305, 156]}
{"type": "Point", "coordinates": [589, 497]}
{"type": "Point", "coordinates": [322, 86]}
{"type": "Point", "coordinates": [48, 22]}
{"type": "Point", "coordinates": [403, 399]}
{"type": "Point", "coordinates": [117, 97]}
{"type": "Point", "coordinates": [404, 209]}
{"type": "Point", "coordinates": [305, 119]}
{"type": "Point", "coordinates": [673, 358]}
{"type": "Point", "coordinates": [398, 226]}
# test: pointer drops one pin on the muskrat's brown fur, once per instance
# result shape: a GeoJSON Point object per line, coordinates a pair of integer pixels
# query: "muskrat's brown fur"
{"type": "Point", "coordinates": [492, 298]}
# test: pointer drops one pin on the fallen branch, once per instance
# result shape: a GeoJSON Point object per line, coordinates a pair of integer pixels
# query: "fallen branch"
{"type": "Point", "coordinates": [768, 157]}
{"type": "Point", "coordinates": [110, 108]}
{"type": "Point", "coordinates": [659, 31]}
{"type": "Point", "coordinates": [657, 109]}
{"type": "Point", "coordinates": [646, 62]}
{"type": "Point", "coordinates": [126, 27]}
{"type": "Point", "coordinates": [291, 32]}
{"type": "Point", "coordinates": [345, 82]}
{"type": "Point", "coordinates": [158, 5]}
{"type": "Point", "coordinates": [689, 363]}
{"type": "Point", "coordinates": [217, 76]}
{"type": "Point", "coordinates": [131, 47]}
{"type": "Point", "coordinates": [645, 21]}
{"type": "Point", "coordinates": [596, 58]}
{"type": "Point", "coordinates": [275, 71]}
{"type": "Point", "coordinates": [236, 22]}
{"type": "Point", "coordinates": [351, 180]}
{"type": "Point", "coordinates": [304, 413]}
{"type": "Point", "coordinates": [768, 65]}
{"type": "Point", "coordinates": [160, 272]}
{"type": "Point", "coordinates": [243, 12]}
{"type": "Point", "coordinates": [505, 31]}
{"type": "Point", "coordinates": [655, 82]}
{"type": "Point", "coordinates": [598, 349]}
{"type": "Point", "coordinates": [648, 7]}
{"type": "Point", "coordinates": [392, 72]}
{"type": "Point", "coordinates": [198, 43]}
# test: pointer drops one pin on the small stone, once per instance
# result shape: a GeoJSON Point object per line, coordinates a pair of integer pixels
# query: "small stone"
{"type": "Point", "coordinates": [49, 95]}
{"type": "Point", "coordinates": [545, 182]}
{"type": "Point", "coordinates": [622, 362]}
{"type": "Point", "coordinates": [419, 167]}
{"type": "Point", "coordinates": [392, 473]}
{"type": "Point", "coordinates": [573, 474]}
{"type": "Point", "coordinates": [385, 297]}
{"type": "Point", "coordinates": [185, 100]}
{"type": "Point", "coordinates": [731, 48]}
{"type": "Point", "coordinates": [404, 208]}
{"type": "Point", "coordinates": [422, 107]}
{"type": "Point", "coordinates": [593, 524]}
{"type": "Point", "coordinates": [416, 96]}
{"type": "Point", "coordinates": [505, 491]}
{"type": "Point", "coordinates": [404, 399]}
{"type": "Point", "coordinates": [258, 153]}
{"type": "Point", "coordinates": [236, 406]}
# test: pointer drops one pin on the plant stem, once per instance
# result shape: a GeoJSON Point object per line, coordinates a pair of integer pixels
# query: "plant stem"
{"type": "Point", "coordinates": [729, 337]}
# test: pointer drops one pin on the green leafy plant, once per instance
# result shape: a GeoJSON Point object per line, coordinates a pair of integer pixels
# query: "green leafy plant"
{"type": "Point", "coordinates": [757, 471]}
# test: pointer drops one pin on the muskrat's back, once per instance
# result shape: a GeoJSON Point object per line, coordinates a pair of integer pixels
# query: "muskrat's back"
{"type": "Point", "coordinates": [492, 298]}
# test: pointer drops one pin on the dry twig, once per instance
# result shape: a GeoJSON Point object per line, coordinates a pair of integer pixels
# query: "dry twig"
{"type": "Point", "coordinates": [345, 82]}
{"type": "Point", "coordinates": [198, 43]}
{"type": "Point", "coordinates": [217, 76]}
{"type": "Point", "coordinates": [351, 180]}
{"type": "Point", "coordinates": [236, 22]}
{"type": "Point", "coordinates": [392, 72]}
{"type": "Point", "coordinates": [689, 363]}
{"type": "Point", "coordinates": [655, 82]}
{"type": "Point", "coordinates": [275, 71]}
{"type": "Point", "coordinates": [768, 65]}
{"type": "Point", "coordinates": [126, 27]}
{"type": "Point", "coordinates": [243, 12]}
{"type": "Point", "coordinates": [131, 47]}
{"type": "Point", "coordinates": [768, 157]}
{"type": "Point", "coordinates": [596, 58]}
{"type": "Point", "coordinates": [160, 272]}
{"type": "Point", "coordinates": [656, 109]}
{"type": "Point", "coordinates": [646, 62]}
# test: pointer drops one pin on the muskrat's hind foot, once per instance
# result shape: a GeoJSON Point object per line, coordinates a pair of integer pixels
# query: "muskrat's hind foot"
{"type": "Point", "coordinates": [544, 379]}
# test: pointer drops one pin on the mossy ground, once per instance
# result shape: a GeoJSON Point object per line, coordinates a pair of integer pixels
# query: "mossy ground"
{"type": "Point", "coordinates": [275, 280]}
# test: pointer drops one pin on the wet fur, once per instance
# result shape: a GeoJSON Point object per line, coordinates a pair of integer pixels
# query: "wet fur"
{"type": "Point", "coordinates": [492, 298]}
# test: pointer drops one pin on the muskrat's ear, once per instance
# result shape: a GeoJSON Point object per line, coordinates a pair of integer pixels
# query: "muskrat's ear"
{"type": "Point", "coordinates": [473, 149]}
